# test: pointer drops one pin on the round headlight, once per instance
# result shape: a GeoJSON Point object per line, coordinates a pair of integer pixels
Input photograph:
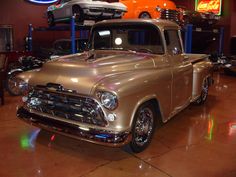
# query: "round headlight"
{"type": "Point", "coordinates": [23, 86]}
{"type": "Point", "coordinates": [108, 100]}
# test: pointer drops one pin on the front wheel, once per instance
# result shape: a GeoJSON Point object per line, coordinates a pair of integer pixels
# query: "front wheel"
{"type": "Point", "coordinates": [51, 21]}
{"type": "Point", "coordinates": [78, 13]}
{"type": "Point", "coordinates": [143, 127]}
{"type": "Point", "coordinates": [11, 84]}
{"type": "Point", "coordinates": [145, 15]}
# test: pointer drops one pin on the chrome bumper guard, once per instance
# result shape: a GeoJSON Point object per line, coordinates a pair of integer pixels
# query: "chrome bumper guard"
{"type": "Point", "coordinates": [169, 14]}
{"type": "Point", "coordinates": [101, 137]}
{"type": "Point", "coordinates": [102, 13]}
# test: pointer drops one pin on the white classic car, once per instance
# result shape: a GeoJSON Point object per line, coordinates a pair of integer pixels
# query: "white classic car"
{"type": "Point", "coordinates": [84, 10]}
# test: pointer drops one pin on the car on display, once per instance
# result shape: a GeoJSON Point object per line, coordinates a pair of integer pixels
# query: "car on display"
{"type": "Point", "coordinates": [164, 9]}
{"type": "Point", "coordinates": [200, 19]}
{"type": "Point", "coordinates": [25, 63]}
{"type": "Point", "coordinates": [84, 10]}
{"type": "Point", "coordinates": [134, 77]}
{"type": "Point", "coordinates": [230, 67]}
{"type": "Point", "coordinates": [227, 63]}
{"type": "Point", "coordinates": [61, 47]}
{"type": "Point", "coordinates": [230, 63]}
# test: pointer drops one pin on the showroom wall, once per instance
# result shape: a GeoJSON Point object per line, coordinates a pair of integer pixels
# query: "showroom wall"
{"type": "Point", "coordinates": [19, 13]}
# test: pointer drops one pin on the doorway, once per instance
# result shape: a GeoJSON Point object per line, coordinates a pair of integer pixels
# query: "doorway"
{"type": "Point", "coordinates": [6, 38]}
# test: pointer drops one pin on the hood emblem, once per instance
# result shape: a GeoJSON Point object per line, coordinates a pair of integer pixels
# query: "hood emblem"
{"type": "Point", "coordinates": [54, 87]}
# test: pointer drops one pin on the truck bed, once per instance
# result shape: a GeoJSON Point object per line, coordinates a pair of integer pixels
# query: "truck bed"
{"type": "Point", "coordinates": [194, 58]}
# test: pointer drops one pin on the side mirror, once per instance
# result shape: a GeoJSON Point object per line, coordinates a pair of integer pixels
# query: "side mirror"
{"type": "Point", "coordinates": [176, 51]}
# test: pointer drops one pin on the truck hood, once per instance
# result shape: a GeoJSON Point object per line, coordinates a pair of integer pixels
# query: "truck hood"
{"type": "Point", "coordinates": [81, 72]}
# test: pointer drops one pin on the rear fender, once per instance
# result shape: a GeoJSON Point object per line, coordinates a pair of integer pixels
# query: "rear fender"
{"type": "Point", "coordinates": [202, 71]}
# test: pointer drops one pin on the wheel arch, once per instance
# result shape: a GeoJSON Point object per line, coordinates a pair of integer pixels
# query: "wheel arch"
{"type": "Point", "coordinates": [75, 6]}
{"type": "Point", "coordinates": [141, 12]}
{"type": "Point", "coordinates": [157, 107]}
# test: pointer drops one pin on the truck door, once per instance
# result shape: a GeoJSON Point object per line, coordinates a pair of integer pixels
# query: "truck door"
{"type": "Point", "coordinates": [181, 69]}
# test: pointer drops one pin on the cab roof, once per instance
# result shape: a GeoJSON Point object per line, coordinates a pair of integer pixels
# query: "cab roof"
{"type": "Point", "coordinates": [158, 22]}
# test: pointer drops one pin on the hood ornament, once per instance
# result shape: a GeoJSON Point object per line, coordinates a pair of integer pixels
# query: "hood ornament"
{"type": "Point", "coordinates": [54, 87]}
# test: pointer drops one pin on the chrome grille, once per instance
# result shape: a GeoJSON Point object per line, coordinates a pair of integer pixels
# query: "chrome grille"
{"type": "Point", "coordinates": [106, 10]}
{"type": "Point", "coordinates": [96, 10]}
{"type": "Point", "coordinates": [66, 106]}
{"type": "Point", "coordinates": [172, 15]}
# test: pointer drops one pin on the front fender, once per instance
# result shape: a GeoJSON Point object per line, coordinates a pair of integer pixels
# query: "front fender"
{"type": "Point", "coordinates": [133, 89]}
{"type": "Point", "coordinates": [27, 75]}
{"type": "Point", "coordinates": [14, 70]}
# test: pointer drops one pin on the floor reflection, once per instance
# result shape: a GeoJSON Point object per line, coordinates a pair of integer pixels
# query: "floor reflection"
{"type": "Point", "coordinates": [27, 141]}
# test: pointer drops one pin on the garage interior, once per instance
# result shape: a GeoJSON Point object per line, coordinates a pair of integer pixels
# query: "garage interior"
{"type": "Point", "coordinates": [199, 141]}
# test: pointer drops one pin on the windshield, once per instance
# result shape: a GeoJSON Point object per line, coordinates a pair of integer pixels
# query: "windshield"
{"type": "Point", "coordinates": [140, 38]}
{"type": "Point", "coordinates": [63, 47]}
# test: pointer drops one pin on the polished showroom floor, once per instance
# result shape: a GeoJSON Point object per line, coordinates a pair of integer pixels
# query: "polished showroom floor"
{"type": "Point", "coordinates": [198, 142]}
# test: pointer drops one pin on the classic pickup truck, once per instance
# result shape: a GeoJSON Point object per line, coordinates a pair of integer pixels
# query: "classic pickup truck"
{"type": "Point", "coordinates": [133, 78]}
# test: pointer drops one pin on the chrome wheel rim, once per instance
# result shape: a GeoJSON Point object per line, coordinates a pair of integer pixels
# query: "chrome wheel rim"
{"type": "Point", "coordinates": [204, 90]}
{"type": "Point", "coordinates": [143, 126]}
{"type": "Point", "coordinates": [145, 16]}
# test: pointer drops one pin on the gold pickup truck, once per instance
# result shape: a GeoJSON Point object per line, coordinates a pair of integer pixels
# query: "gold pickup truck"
{"type": "Point", "coordinates": [134, 77]}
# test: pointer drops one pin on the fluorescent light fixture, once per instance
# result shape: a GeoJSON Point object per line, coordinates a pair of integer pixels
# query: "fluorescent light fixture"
{"type": "Point", "coordinates": [84, 128]}
{"type": "Point", "coordinates": [104, 33]}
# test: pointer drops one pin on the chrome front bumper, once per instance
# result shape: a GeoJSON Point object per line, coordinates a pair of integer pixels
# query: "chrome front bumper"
{"type": "Point", "coordinates": [102, 13]}
{"type": "Point", "coordinates": [101, 137]}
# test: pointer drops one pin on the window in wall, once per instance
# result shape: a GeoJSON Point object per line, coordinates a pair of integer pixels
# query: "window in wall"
{"type": "Point", "coordinates": [6, 43]}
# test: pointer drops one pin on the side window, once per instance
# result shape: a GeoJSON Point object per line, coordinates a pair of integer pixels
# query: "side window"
{"type": "Point", "coordinates": [173, 42]}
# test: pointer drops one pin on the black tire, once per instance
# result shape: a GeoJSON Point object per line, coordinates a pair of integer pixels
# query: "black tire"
{"type": "Point", "coordinates": [78, 13]}
{"type": "Point", "coordinates": [204, 93]}
{"type": "Point", "coordinates": [51, 21]}
{"type": "Point", "coordinates": [145, 15]}
{"type": "Point", "coordinates": [143, 128]}
{"type": "Point", "coordinates": [12, 88]}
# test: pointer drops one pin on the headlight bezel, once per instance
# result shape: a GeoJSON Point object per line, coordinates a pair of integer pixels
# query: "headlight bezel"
{"type": "Point", "coordinates": [108, 100]}
{"type": "Point", "coordinates": [23, 86]}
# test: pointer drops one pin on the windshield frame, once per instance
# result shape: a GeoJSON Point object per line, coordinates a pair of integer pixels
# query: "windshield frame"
{"type": "Point", "coordinates": [133, 25]}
